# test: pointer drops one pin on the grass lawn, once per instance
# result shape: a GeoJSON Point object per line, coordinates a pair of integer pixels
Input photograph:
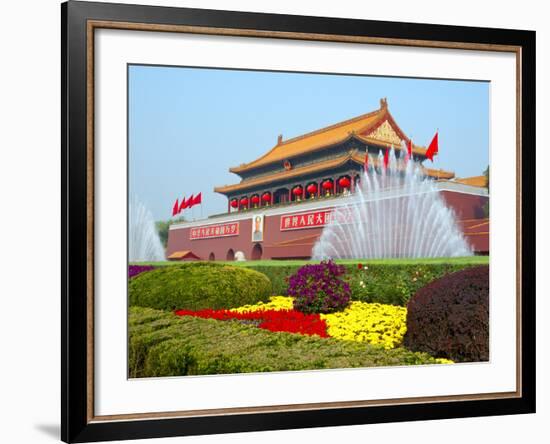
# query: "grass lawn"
{"type": "Point", "coordinates": [469, 260]}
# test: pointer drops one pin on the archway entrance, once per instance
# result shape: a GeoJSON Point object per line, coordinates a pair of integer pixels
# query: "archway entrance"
{"type": "Point", "coordinates": [212, 257]}
{"type": "Point", "coordinates": [257, 252]}
{"type": "Point", "coordinates": [230, 255]}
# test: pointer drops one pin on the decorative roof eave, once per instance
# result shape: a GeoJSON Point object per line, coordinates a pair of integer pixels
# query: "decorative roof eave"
{"type": "Point", "coordinates": [353, 156]}
{"type": "Point", "coordinates": [418, 150]}
{"type": "Point", "coordinates": [282, 175]}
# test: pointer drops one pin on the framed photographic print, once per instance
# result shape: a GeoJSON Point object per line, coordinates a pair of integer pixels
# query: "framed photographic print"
{"type": "Point", "coordinates": [276, 221]}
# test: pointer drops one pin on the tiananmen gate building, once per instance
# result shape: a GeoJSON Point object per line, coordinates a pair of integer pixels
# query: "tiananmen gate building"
{"type": "Point", "coordinates": [285, 197]}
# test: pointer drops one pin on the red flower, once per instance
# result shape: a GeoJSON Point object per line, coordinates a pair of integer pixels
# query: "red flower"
{"type": "Point", "coordinates": [360, 266]}
{"type": "Point", "coordinates": [290, 321]}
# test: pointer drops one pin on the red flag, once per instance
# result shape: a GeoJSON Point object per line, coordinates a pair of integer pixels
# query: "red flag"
{"type": "Point", "coordinates": [198, 199]}
{"type": "Point", "coordinates": [366, 165]}
{"type": "Point", "coordinates": [410, 148]}
{"type": "Point", "coordinates": [184, 205]}
{"type": "Point", "coordinates": [175, 208]}
{"type": "Point", "coordinates": [433, 149]}
{"type": "Point", "coordinates": [386, 158]}
{"type": "Point", "coordinates": [190, 201]}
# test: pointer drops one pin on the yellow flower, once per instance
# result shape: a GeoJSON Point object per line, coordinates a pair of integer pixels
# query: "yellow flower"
{"type": "Point", "coordinates": [275, 303]}
{"type": "Point", "coordinates": [443, 361]}
{"type": "Point", "coordinates": [375, 323]}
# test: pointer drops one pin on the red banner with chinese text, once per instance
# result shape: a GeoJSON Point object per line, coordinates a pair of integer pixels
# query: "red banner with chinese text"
{"type": "Point", "coordinates": [211, 231]}
{"type": "Point", "coordinates": [313, 219]}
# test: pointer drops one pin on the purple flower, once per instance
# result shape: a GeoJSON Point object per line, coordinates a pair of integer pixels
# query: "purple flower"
{"type": "Point", "coordinates": [134, 270]}
{"type": "Point", "coordinates": [317, 288]}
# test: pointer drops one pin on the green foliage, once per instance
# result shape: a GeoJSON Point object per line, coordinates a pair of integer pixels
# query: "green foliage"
{"type": "Point", "coordinates": [449, 318]}
{"type": "Point", "coordinates": [389, 281]}
{"type": "Point", "coordinates": [162, 344]}
{"type": "Point", "coordinates": [198, 285]}
{"type": "Point", "coordinates": [386, 283]}
{"type": "Point", "coordinates": [162, 227]}
{"type": "Point", "coordinates": [465, 260]}
{"type": "Point", "coordinates": [278, 275]}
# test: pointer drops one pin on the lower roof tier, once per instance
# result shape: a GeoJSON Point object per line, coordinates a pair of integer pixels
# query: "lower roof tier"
{"type": "Point", "coordinates": [354, 158]}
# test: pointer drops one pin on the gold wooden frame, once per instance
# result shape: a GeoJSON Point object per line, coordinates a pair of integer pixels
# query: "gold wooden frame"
{"type": "Point", "coordinates": [92, 25]}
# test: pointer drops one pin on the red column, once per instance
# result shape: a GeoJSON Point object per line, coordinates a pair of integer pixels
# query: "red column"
{"type": "Point", "coordinates": [352, 185]}
{"type": "Point", "coordinates": [334, 186]}
{"type": "Point", "coordinates": [319, 188]}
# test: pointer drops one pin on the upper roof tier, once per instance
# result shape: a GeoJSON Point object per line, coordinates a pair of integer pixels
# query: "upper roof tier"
{"type": "Point", "coordinates": [378, 127]}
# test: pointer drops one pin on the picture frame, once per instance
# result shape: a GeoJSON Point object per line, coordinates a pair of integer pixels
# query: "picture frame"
{"type": "Point", "coordinates": [80, 21]}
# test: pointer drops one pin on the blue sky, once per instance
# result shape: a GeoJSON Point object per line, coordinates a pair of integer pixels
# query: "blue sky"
{"type": "Point", "coordinates": [187, 126]}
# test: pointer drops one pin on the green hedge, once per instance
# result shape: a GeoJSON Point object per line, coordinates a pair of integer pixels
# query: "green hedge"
{"type": "Point", "coordinates": [387, 283]}
{"type": "Point", "coordinates": [162, 344]}
{"type": "Point", "coordinates": [198, 285]}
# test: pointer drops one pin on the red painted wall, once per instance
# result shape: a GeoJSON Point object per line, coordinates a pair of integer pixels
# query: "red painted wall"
{"type": "Point", "coordinates": [298, 243]}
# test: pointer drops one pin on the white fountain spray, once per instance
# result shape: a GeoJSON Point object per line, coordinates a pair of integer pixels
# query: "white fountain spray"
{"type": "Point", "coordinates": [395, 213]}
{"type": "Point", "coordinates": [143, 240]}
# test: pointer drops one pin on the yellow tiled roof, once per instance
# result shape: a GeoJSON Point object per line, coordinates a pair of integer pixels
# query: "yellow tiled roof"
{"type": "Point", "coordinates": [475, 181]}
{"type": "Point", "coordinates": [438, 174]}
{"type": "Point", "coordinates": [328, 136]}
{"type": "Point", "coordinates": [181, 254]}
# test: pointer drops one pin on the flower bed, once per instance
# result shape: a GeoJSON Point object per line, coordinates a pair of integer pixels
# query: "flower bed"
{"type": "Point", "coordinates": [376, 324]}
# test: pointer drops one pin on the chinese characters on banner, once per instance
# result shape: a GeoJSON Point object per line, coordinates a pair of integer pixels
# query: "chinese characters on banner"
{"type": "Point", "coordinates": [313, 219]}
{"type": "Point", "coordinates": [210, 231]}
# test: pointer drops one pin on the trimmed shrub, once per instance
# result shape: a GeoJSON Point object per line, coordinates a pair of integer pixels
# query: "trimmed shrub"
{"type": "Point", "coordinates": [198, 285]}
{"type": "Point", "coordinates": [317, 288]}
{"type": "Point", "coordinates": [385, 283]}
{"type": "Point", "coordinates": [162, 344]}
{"type": "Point", "coordinates": [449, 318]}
